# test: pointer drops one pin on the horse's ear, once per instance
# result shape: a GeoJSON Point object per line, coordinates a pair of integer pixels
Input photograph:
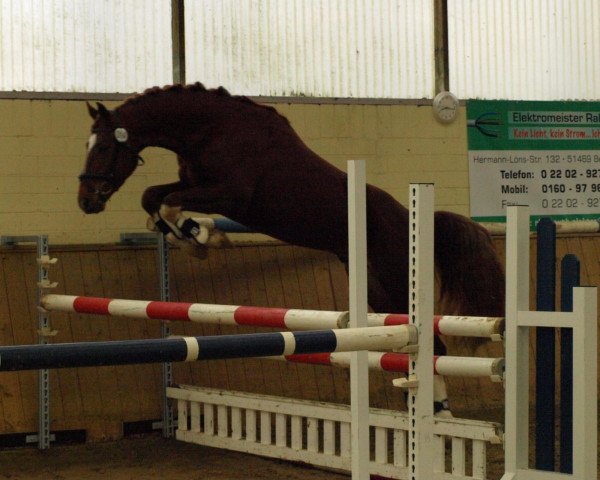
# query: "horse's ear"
{"type": "Point", "coordinates": [92, 111]}
{"type": "Point", "coordinates": [102, 110]}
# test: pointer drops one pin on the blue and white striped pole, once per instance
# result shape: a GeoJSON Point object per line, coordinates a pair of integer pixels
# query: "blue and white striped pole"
{"type": "Point", "coordinates": [188, 349]}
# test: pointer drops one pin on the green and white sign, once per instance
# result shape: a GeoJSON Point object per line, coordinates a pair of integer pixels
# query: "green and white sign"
{"type": "Point", "coordinates": [542, 154]}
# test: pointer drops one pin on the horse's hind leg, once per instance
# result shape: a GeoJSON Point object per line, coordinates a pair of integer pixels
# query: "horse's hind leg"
{"type": "Point", "coordinates": [381, 302]}
{"type": "Point", "coordinates": [378, 298]}
{"type": "Point", "coordinates": [377, 293]}
{"type": "Point", "coordinates": [440, 398]}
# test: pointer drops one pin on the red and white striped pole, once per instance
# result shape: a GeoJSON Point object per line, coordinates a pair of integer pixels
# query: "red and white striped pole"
{"type": "Point", "coordinates": [452, 325]}
{"type": "Point", "coordinates": [398, 362]}
{"type": "Point", "coordinates": [288, 318]}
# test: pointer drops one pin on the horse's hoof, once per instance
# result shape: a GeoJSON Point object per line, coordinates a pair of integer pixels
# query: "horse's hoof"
{"type": "Point", "coordinates": [441, 409]}
{"type": "Point", "coordinates": [170, 214]}
{"type": "Point", "coordinates": [150, 225]}
{"type": "Point", "coordinates": [444, 414]}
{"type": "Point", "coordinates": [202, 236]}
{"type": "Point", "coordinates": [219, 239]}
{"type": "Point", "coordinates": [195, 250]}
{"type": "Point", "coordinates": [174, 240]}
{"type": "Point", "coordinates": [193, 231]}
{"type": "Point", "coordinates": [158, 224]}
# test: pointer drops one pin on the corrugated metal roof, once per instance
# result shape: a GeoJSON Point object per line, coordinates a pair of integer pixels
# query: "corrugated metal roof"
{"type": "Point", "coordinates": [317, 48]}
{"type": "Point", "coordinates": [524, 49]}
{"type": "Point", "coordinates": [513, 49]}
{"type": "Point", "coordinates": [84, 45]}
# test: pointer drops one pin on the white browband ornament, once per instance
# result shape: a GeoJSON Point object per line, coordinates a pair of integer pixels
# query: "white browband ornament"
{"type": "Point", "coordinates": [121, 135]}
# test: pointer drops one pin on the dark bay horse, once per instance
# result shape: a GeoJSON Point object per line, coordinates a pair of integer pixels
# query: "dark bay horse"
{"type": "Point", "coordinates": [243, 160]}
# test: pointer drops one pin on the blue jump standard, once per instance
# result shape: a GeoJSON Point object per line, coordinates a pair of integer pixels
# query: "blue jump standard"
{"type": "Point", "coordinates": [88, 354]}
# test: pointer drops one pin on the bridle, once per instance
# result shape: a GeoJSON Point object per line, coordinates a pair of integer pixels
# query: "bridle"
{"type": "Point", "coordinates": [121, 136]}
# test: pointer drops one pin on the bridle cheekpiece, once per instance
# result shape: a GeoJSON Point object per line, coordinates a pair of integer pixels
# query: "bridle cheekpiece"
{"type": "Point", "coordinates": [121, 136]}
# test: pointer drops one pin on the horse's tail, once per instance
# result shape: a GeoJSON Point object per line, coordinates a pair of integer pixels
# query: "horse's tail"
{"type": "Point", "coordinates": [470, 274]}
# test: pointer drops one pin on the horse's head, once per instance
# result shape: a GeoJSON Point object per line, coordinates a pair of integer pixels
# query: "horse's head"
{"type": "Point", "coordinates": [110, 160]}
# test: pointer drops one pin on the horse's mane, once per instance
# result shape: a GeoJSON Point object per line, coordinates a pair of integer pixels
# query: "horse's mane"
{"type": "Point", "coordinates": [194, 89]}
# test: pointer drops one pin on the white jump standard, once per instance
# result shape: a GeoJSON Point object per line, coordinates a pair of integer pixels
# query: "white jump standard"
{"type": "Point", "coordinates": [583, 320]}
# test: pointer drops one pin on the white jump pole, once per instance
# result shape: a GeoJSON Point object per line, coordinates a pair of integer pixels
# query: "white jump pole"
{"type": "Point", "coordinates": [359, 361]}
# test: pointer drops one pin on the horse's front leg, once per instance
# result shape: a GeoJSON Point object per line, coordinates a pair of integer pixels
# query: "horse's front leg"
{"type": "Point", "coordinates": [206, 198]}
{"type": "Point", "coordinates": [217, 197]}
{"type": "Point", "coordinates": [152, 199]}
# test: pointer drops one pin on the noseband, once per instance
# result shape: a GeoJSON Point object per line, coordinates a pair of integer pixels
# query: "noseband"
{"type": "Point", "coordinates": [121, 136]}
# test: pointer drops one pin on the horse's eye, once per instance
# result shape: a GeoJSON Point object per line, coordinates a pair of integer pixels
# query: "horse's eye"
{"type": "Point", "coordinates": [103, 148]}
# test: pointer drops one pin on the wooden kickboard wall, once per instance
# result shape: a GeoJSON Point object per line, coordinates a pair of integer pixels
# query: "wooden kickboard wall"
{"type": "Point", "coordinates": [100, 400]}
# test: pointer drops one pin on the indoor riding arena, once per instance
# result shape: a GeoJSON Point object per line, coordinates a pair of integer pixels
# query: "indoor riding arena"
{"type": "Point", "coordinates": [299, 239]}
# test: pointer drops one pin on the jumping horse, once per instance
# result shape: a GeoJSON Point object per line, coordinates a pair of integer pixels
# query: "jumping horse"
{"type": "Point", "coordinates": [243, 160]}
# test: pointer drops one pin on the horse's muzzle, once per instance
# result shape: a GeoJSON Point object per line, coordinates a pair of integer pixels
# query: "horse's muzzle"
{"type": "Point", "coordinates": [89, 205]}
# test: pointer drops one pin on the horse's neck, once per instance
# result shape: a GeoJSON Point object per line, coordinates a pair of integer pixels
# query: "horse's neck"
{"type": "Point", "coordinates": [187, 124]}
{"type": "Point", "coordinates": [158, 122]}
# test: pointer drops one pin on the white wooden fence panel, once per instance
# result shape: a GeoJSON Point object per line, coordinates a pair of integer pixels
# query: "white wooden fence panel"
{"type": "Point", "coordinates": [314, 436]}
